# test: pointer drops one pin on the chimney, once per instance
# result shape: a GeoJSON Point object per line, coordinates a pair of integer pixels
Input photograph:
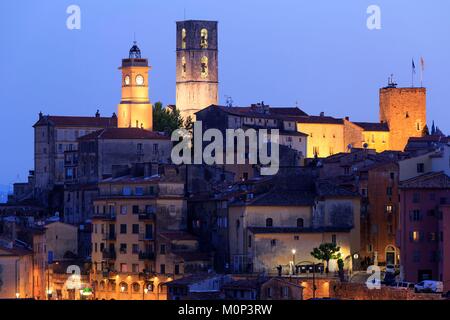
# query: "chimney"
{"type": "Point", "coordinates": [322, 114]}
{"type": "Point", "coordinates": [97, 114]}
{"type": "Point", "coordinates": [40, 115]}
{"type": "Point", "coordinates": [347, 118]}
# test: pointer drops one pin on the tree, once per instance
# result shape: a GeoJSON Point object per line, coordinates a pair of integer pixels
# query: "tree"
{"type": "Point", "coordinates": [189, 124]}
{"type": "Point", "coordinates": [166, 120]}
{"type": "Point", "coordinates": [326, 252]}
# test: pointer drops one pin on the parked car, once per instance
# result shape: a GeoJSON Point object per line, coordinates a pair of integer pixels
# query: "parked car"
{"type": "Point", "coordinates": [429, 286]}
{"type": "Point", "coordinates": [390, 268]}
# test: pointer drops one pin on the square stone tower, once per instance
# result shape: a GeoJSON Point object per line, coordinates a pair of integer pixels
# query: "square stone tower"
{"type": "Point", "coordinates": [197, 66]}
{"type": "Point", "coordinates": [404, 110]}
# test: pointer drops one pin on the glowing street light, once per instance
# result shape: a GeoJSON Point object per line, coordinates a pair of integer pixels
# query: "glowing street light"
{"type": "Point", "coordinates": [17, 295]}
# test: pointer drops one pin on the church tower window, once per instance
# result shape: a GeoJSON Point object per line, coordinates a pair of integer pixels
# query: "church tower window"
{"type": "Point", "coordinates": [204, 39]}
{"type": "Point", "coordinates": [183, 66]}
{"type": "Point", "coordinates": [183, 39]}
{"type": "Point", "coordinates": [204, 65]}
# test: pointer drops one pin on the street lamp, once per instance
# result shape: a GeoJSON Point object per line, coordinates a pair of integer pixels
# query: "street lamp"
{"type": "Point", "coordinates": [17, 295]}
{"type": "Point", "coordinates": [144, 292]}
{"type": "Point", "coordinates": [122, 288]}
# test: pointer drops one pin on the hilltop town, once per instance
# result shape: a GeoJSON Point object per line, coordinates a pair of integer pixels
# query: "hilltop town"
{"type": "Point", "coordinates": [106, 214]}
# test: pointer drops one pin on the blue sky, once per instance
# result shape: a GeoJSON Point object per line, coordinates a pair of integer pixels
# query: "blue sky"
{"type": "Point", "coordinates": [318, 53]}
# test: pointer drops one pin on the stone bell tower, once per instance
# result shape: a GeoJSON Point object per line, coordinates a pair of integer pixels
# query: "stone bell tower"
{"type": "Point", "coordinates": [197, 66]}
{"type": "Point", "coordinates": [135, 110]}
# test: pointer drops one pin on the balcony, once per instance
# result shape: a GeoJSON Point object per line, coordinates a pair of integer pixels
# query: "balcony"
{"type": "Point", "coordinates": [109, 255]}
{"type": "Point", "coordinates": [146, 255]}
{"type": "Point", "coordinates": [109, 274]}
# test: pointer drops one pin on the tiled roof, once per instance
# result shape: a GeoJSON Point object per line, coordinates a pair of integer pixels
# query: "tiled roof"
{"type": "Point", "coordinates": [70, 121]}
{"type": "Point", "coordinates": [319, 120]}
{"type": "Point", "coordinates": [273, 230]}
{"type": "Point", "coordinates": [431, 180]}
{"type": "Point", "coordinates": [125, 133]}
{"type": "Point", "coordinates": [194, 256]}
{"type": "Point", "coordinates": [244, 284]}
{"type": "Point", "coordinates": [327, 188]}
{"type": "Point", "coordinates": [282, 113]}
{"type": "Point", "coordinates": [373, 126]}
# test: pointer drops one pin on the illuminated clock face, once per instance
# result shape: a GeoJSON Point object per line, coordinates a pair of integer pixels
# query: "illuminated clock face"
{"type": "Point", "coordinates": [139, 80]}
{"type": "Point", "coordinates": [127, 80]}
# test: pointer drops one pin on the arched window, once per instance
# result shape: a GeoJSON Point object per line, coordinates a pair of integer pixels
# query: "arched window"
{"type": "Point", "coordinates": [204, 39]}
{"type": "Point", "coordinates": [183, 38]}
{"type": "Point", "coordinates": [269, 222]}
{"type": "Point", "coordinates": [300, 223]}
{"type": "Point", "coordinates": [183, 66]}
{"type": "Point", "coordinates": [204, 66]}
{"type": "Point", "coordinates": [102, 285]}
{"type": "Point", "coordinates": [136, 287]}
{"type": "Point", "coordinates": [123, 287]}
{"type": "Point", "coordinates": [111, 286]}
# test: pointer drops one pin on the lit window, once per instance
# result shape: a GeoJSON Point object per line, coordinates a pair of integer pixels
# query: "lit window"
{"type": "Point", "coordinates": [183, 66]}
{"type": "Point", "coordinates": [204, 39]}
{"type": "Point", "coordinates": [183, 39]}
{"type": "Point", "coordinates": [389, 209]}
{"type": "Point", "coordinates": [415, 236]}
{"type": "Point", "coordinates": [204, 66]}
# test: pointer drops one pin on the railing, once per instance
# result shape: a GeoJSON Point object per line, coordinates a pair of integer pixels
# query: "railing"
{"type": "Point", "coordinates": [109, 254]}
{"type": "Point", "coordinates": [146, 255]}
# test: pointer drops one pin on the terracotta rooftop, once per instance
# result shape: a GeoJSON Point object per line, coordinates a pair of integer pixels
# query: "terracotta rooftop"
{"type": "Point", "coordinates": [431, 180]}
{"type": "Point", "coordinates": [281, 113]}
{"type": "Point", "coordinates": [72, 121]}
{"type": "Point", "coordinates": [373, 126]}
{"type": "Point", "coordinates": [319, 120]}
{"type": "Point", "coordinates": [125, 133]}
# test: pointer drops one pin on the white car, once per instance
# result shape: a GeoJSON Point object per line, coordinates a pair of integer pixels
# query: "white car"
{"type": "Point", "coordinates": [390, 268]}
{"type": "Point", "coordinates": [430, 286]}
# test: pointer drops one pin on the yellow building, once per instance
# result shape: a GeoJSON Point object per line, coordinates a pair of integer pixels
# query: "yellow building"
{"type": "Point", "coordinates": [376, 136]}
{"type": "Point", "coordinates": [265, 229]}
{"type": "Point", "coordinates": [129, 212]}
{"type": "Point", "coordinates": [16, 272]}
{"type": "Point", "coordinates": [135, 109]}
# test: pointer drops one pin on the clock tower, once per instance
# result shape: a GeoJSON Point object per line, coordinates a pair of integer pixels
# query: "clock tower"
{"type": "Point", "coordinates": [135, 109]}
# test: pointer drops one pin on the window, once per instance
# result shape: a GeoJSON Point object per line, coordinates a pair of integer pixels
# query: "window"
{"type": "Point", "coordinates": [364, 192]}
{"type": "Point", "coordinates": [183, 38]}
{"type": "Point", "coordinates": [123, 209]}
{"type": "Point", "coordinates": [135, 229]}
{"type": "Point", "coordinates": [135, 249]}
{"type": "Point", "coordinates": [392, 175]}
{"type": "Point", "coordinates": [389, 191]}
{"type": "Point", "coordinates": [183, 66]}
{"type": "Point", "coordinates": [135, 286]}
{"type": "Point", "coordinates": [249, 241]}
{"type": "Point", "coordinates": [269, 292]}
{"type": "Point", "coordinates": [333, 239]}
{"type": "Point", "coordinates": [296, 238]}
{"type": "Point", "coordinates": [123, 268]}
{"type": "Point", "coordinates": [123, 248]}
{"type": "Point", "coordinates": [162, 249]}
{"type": "Point", "coordinates": [135, 209]}
{"type": "Point", "coordinates": [139, 147]}
{"type": "Point", "coordinates": [415, 236]}
{"type": "Point", "coordinates": [177, 269]}
{"type": "Point", "coordinates": [204, 67]}
{"type": "Point", "coordinates": [389, 209]}
{"type": "Point", "coordinates": [285, 292]}
{"type": "Point", "coordinates": [139, 191]}
{"type": "Point", "coordinates": [162, 269]}
{"type": "Point", "coordinates": [273, 242]}
{"type": "Point", "coordinates": [126, 191]}
{"type": "Point", "coordinates": [123, 228]}
{"type": "Point", "coordinates": [416, 197]}
{"type": "Point", "coordinates": [204, 39]}
{"type": "Point", "coordinates": [316, 151]}
{"type": "Point", "coordinates": [155, 148]}
{"type": "Point", "coordinates": [300, 223]}
{"type": "Point", "coordinates": [416, 215]}
{"type": "Point", "coordinates": [420, 168]}
{"type": "Point", "coordinates": [269, 222]}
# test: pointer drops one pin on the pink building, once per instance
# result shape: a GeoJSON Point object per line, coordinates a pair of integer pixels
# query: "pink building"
{"type": "Point", "coordinates": [424, 227]}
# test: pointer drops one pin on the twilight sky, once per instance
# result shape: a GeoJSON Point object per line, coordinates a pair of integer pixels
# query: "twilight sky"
{"type": "Point", "coordinates": [318, 53]}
